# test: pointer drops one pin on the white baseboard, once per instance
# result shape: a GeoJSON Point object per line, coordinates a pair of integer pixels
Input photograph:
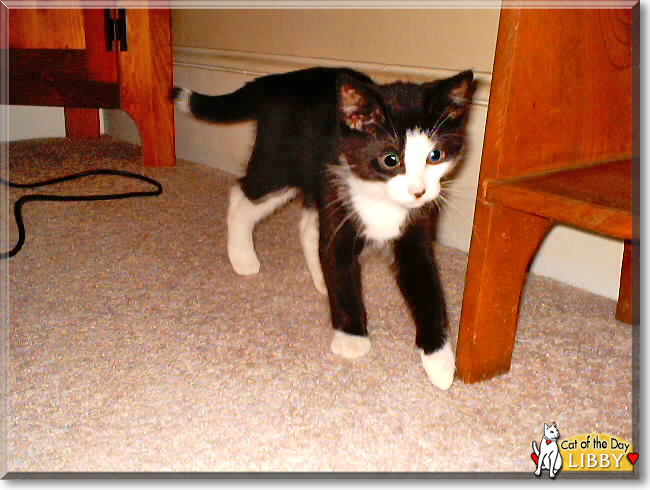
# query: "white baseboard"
{"type": "Point", "coordinates": [256, 64]}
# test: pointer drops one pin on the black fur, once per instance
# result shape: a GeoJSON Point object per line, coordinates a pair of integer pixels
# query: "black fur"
{"type": "Point", "coordinates": [418, 279]}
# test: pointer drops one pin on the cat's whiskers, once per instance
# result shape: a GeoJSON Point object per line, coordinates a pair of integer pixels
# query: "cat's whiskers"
{"type": "Point", "coordinates": [343, 200]}
{"type": "Point", "coordinates": [460, 193]}
{"type": "Point", "coordinates": [395, 134]}
{"type": "Point", "coordinates": [351, 215]}
{"type": "Point", "coordinates": [445, 202]}
{"type": "Point", "coordinates": [454, 185]}
{"type": "Point", "coordinates": [438, 124]}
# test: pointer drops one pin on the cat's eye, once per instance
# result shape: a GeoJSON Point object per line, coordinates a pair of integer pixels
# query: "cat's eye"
{"type": "Point", "coordinates": [390, 160]}
{"type": "Point", "coordinates": [436, 156]}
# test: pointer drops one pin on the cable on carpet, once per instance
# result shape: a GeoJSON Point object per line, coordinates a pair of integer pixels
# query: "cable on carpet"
{"type": "Point", "coordinates": [68, 198]}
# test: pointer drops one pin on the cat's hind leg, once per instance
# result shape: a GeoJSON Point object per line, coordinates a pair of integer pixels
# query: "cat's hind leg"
{"type": "Point", "coordinates": [243, 215]}
{"type": "Point", "coordinates": [309, 236]}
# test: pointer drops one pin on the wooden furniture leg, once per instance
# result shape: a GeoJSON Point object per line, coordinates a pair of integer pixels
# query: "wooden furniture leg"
{"type": "Point", "coordinates": [627, 309]}
{"type": "Point", "coordinates": [81, 123]}
{"type": "Point", "coordinates": [503, 244]}
{"type": "Point", "coordinates": [146, 76]}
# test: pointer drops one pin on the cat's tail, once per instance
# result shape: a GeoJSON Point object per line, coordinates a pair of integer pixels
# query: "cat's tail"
{"type": "Point", "coordinates": [239, 105]}
{"type": "Point", "coordinates": [535, 448]}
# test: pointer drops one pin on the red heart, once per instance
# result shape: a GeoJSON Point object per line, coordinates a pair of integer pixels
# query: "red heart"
{"type": "Point", "coordinates": [633, 457]}
{"type": "Point", "coordinates": [547, 441]}
{"type": "Point", "coordinates": [536, 459]}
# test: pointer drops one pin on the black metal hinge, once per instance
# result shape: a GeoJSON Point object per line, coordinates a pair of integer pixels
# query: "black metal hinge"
{"type": "Point", "coordinates": [116, 29]}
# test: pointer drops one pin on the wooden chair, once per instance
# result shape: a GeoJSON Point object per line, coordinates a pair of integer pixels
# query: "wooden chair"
{"type": "Point", "coordinates": [558, 148]}
{"type": "Point", "coordinates": [84, 59]}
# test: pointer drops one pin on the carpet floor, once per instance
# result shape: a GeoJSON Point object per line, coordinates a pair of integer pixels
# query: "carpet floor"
{"type": "Point", "coordinates": [133, 346]}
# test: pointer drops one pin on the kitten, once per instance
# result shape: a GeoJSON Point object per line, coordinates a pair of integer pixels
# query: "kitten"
{"type": "Point", "coordinates": [548, 456]}
{"type": "Point", "coordinates": [368, 160]}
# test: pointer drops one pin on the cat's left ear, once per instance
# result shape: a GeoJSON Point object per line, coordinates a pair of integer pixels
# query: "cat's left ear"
{"type": "Point", "coordinates": [360, 106]}
{"type": "Point", "coordinates": [459, 91]}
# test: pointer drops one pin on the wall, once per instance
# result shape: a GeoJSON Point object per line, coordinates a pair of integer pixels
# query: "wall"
{"type": "Point", "coordinates": [216, 51]}
{"type": "Point", "coordinates": [451, 39]}
{"type": "Point", "coordinates": [27, 122]}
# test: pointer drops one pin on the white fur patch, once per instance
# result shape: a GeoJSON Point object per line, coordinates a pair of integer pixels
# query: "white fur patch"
{"type": "Point", "coordinates": [418, 177]}
{"type": "Point", "coordinates": [182, 100]}
{"type": "Point", "coordinates": [243, 214]}
{"type": "Point", "coordinates": [440, 366]}
{"type": "Point", "coordinates": [349, 346]}
{"type": "Point", "coordinates": [417, 148]}
{"type": "Point", "coordinates": [309, 236]}
{"type": "Point", "coordinates": [381, 216]}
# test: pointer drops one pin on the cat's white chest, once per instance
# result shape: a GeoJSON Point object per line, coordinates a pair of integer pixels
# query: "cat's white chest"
{"type": "Point", "coordinates": [381, 218]}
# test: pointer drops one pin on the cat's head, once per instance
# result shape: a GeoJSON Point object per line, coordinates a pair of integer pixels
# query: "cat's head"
{"type": "Point", "coordinates": [401, 139]}
{"type": "Point", "coordinates": [551, 432]}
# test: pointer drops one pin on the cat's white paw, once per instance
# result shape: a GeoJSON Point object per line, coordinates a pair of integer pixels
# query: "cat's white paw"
{"type": "Point", "coordinates": [349, 346]}
{"type": "Point", "coordinates": [182, 100]}
{"type": "Point", "coordinates": [440, 366]}
{"type": "Point", "coordinates": [244, 264]}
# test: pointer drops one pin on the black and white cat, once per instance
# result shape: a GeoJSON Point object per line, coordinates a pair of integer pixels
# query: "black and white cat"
{"type": "Point", "coordinates": [368, 160]}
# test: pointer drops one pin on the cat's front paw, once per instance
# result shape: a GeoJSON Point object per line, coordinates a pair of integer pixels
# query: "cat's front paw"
{"type": "Point", "coordinates": [440, 366]}
{"type": "Point", "coordinates": [349, 346]}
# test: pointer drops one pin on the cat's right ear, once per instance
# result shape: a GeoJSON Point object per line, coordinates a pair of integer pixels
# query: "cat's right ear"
{"type": "Point", "coordinates": [360, 106]}
{"type": "Point", "coordinates": [457, 94]}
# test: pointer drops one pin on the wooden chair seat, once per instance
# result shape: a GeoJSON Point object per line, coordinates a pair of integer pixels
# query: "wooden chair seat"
{"type": "Point", "coordinates": [595, 197]}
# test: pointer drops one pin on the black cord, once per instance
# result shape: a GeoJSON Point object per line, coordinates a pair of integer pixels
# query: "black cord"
{"type": "Point", "coordinates": [51, 197]}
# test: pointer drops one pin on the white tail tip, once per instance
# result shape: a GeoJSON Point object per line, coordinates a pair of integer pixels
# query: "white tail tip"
{"type": "Point", "coordinates": [182, 100]}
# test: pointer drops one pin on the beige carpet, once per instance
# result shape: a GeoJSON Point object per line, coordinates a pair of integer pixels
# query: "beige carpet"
{"type": "Point", "coordinates": [132, 346]}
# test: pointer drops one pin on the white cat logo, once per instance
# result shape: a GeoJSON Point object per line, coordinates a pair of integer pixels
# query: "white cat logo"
{"type": "Point", "coordinates": [548, 456]}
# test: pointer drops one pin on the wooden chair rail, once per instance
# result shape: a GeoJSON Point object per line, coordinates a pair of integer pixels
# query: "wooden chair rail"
{"type": "Point", "coordinates": [595, 197]}
{"type": "Point", "coordinates": [64, 93]}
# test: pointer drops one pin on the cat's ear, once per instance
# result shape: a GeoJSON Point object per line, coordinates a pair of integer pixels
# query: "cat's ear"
{"type": "Point", "coordinates": [545, 426]}
{"type": "Point", "coordinates": [459, 91]}
{"type": "Point", "coordinates": [360, 106]}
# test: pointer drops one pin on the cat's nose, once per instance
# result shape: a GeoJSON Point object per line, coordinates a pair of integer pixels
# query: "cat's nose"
{"type": "Point", "coordinates": [417, 188]}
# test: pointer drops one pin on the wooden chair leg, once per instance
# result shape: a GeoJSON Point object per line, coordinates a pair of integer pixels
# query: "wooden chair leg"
{"type": "Point", "coordinates": [146, 76]}
{"type": "Point", "coordinates": [156, 129]}
{"type": "Point", "coordinates": [81, 123]}
{"type": "Point", "coordinates": [627, 309]}
{"type": "Point", "coordinates": [504, 242]}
